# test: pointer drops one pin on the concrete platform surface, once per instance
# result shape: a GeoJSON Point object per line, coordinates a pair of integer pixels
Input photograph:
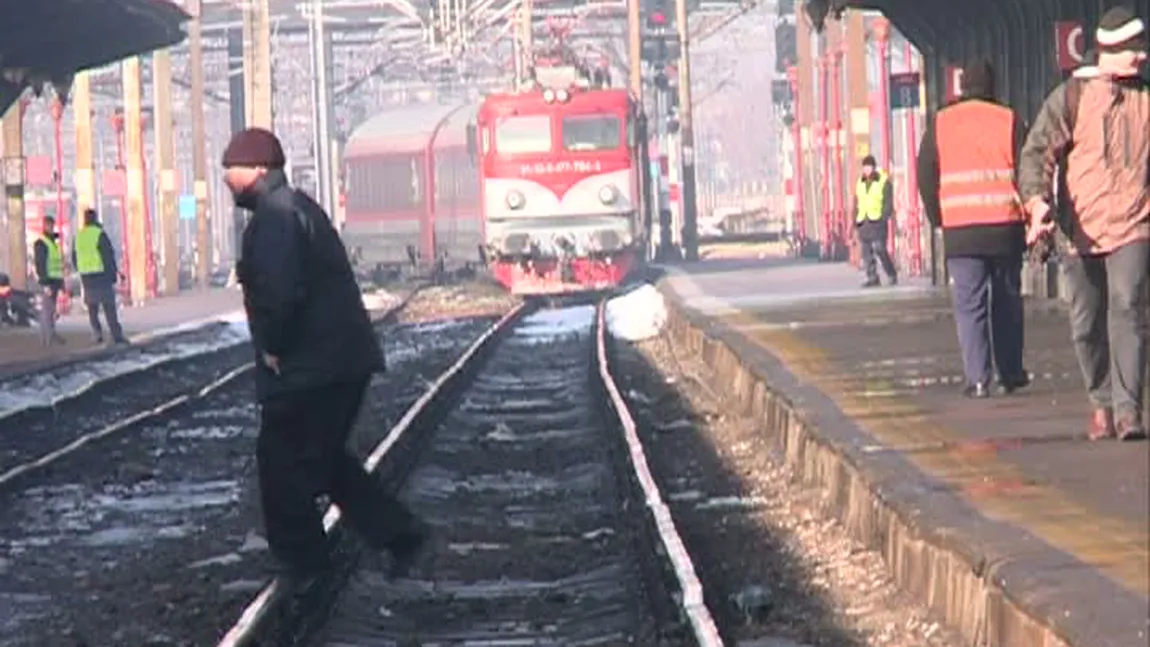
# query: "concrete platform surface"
{"type": "Point", "coordinates": [1067, 518]}
{"type": "Point", "coordinates": [20, 349]}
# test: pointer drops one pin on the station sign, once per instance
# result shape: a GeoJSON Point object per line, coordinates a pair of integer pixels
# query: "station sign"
{"type": "Point", "coordinates": [953, 83]}
{"type": "Point", "coordinates": [1069, 44]}
{"type": "Point", "coordinates": [905, 90]}
{"type": "Point", "coordinates": [187, 207]}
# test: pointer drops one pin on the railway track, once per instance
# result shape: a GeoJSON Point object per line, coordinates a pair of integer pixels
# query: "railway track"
{"type": "Point", "coordinates": [142, 536]}
{"type": "Point", "coordinates": [102, 405]}
{"type": "Point", "coordinates": [550, 529]}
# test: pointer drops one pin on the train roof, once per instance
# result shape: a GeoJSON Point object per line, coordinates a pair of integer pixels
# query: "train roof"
{"type": "Point", "coordinates": [410, 129]}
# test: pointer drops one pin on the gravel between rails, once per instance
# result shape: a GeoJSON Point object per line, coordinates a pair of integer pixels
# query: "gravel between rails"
{"type": "Point", "coordinates": [539, 540]}
{"type": "Point", "coordinates": [142, 540]}
{"type": "Point", "coordinates": [776, 570]}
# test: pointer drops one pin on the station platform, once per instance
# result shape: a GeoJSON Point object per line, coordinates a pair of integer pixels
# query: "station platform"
{"type": "Point", "coordinates": [1001, 505]}
{"type": "Point", "coordinates": [20, 349]}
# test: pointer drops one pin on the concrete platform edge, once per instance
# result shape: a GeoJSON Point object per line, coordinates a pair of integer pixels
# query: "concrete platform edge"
{"type": "Point", "coordinates": [996, 583]}
{"type": "Point", "coordinates": [103, 352]}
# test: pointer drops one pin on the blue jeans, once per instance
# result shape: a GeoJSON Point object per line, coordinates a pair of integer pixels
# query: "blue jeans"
{"type": "Point", "coordinates": [988, 313]}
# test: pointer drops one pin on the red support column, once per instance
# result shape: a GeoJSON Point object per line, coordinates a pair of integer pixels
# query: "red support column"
{"type": "Point", "coordinates": [839, 223]}
{"type": "Point", "coordinates": [914, 213]}
{"type": "Point", "coordinates": [125, 257]}
{"type": "Point", "coordinates": [825, 235]}
{"type": "Point", "coordinates": [797, 137]}
{"type": "Point", "coordinates": [150, 255]}
{"type": "Point", "coordinates": [882, 40]}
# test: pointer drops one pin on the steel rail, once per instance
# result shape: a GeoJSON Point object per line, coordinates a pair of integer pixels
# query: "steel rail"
{"type": "Point", "coordinates": [691, 601]}
{"type": "Point", "coordinates": [253, 617]}
{"type": "Point", "coordinates": [128, 422]}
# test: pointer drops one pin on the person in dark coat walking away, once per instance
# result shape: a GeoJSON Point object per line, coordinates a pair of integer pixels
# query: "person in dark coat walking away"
{"type": "Point", "coordinates": [49, 263]}
{"type": "Point", "coordinates": [316, 350]}
{"type": "Point", "coordinates": [95, 260]}
{"type": "Point", "coordinates": [874, 210]}
{"type": "Point", "coordinates": [967, 176]}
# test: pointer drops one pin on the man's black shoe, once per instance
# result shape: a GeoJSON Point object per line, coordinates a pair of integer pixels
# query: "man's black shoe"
{"type": "Point", "coordinates": [871, 283]}
{"type": "Point", "coordinates": [977, 390]}
{"type": "Point", "coordinates": [1012, 384]}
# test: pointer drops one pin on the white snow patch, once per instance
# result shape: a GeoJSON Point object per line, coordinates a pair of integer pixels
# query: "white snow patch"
{"type": "Point", "coordinates": [547, 325]}
{"type": "Point", "coordinates": [45, 389]}
{"type": "Point", "coordinates": [379, 300]}
{"type": "Point", "coordinates": [637, 315]}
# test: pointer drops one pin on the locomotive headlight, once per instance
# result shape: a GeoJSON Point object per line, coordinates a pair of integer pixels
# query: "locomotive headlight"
{"type": "Point", "coordinates": [549, 95]}
{"type": "Point", "coordinates": [562, 96]}
{"type": "Point", "coordinates": [608, 194]}
{"type": "Point", "coordinates": [515, 200]}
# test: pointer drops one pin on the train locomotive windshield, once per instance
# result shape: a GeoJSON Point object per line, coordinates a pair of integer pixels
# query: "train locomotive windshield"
{"type": "Point", "coordinates": [600, 132]}
{"type": "Point", "coordinates": [523, 134]}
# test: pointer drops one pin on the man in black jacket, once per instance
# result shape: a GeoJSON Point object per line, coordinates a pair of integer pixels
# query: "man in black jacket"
{"type": "Point", "coordinates": [95, 260]}
{"type": "Point", "coordinates": [316, 350]}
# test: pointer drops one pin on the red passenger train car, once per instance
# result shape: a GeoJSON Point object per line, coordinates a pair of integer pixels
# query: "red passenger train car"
{"type": "Point", "coordinates": [560, 185]}
{"type": "Point", "coordinates": [412, 189]}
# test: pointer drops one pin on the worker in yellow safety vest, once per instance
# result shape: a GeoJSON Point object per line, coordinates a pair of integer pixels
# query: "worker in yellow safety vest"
{"type": "Point", "coordinates": [49, 263]}
{"type": "Point", "coordinates": [874, 206]}
{"type": "Point", "coordinates": [95, 260]}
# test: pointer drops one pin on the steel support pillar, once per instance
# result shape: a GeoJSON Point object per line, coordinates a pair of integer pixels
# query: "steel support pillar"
{"type": "Point", "coordinates": [136, 210]}
{"type": "Point", "coordinates": [85, 179]}
{"type": "Point", "coordinates": [257, 65]}
{"type": "Point", "coordinates": [165, 160]}
{"type": "Point", "coordinates": [687, 197]}
{"type": "Point", "coordinates": [882, 35]}
{"type": "Point", "coordinates": [14, 194]}
{"type": "Point", "coordinates": [797, 173]}
{"type": "Point", "coordinates": [822, 134]}
{"type": "Point", "coordinates": [203, 248]}
{"type": "Point", "coordinates": [635, 49]}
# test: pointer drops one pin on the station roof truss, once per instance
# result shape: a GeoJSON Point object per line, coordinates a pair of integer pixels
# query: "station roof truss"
{"type": "Point", "coordinates": [45, 42]}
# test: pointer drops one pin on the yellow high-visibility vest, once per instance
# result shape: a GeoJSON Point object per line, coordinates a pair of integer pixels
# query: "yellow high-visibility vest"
{"type": "Point", "coordinates": [88, 259]}
{"type": "Point", "coordinates": [55, 261]}
{"type": "Point", "coordinates": [870, 199]}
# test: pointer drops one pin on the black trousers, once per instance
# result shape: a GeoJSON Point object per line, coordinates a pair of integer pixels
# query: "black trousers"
{"type": "Point", "coordinates": [301, 453]}
{"type": "Point", "coordinates": [99, 296]}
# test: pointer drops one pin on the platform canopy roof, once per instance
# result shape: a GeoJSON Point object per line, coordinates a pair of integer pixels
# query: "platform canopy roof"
{"type": "Point", "coordinates": [48, 41]}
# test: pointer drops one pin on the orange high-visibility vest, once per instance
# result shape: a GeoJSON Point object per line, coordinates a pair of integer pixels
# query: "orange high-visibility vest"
{"type": "Point", "coordinates": [976, 165]}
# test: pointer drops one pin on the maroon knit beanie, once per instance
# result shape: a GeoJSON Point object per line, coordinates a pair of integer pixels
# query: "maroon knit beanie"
{"type": "Point", "coordinates": [254, 147]}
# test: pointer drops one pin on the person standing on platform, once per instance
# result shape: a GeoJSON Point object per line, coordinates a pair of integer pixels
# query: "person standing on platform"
{"type": "Point", "coordinates": [316, 350]}
{"type": "Point", "coordinates": [95, 260]}
{"type": "Point", "coordinates": [966, 176]}
{"type": "Point", "coordinates": [1097, 128]}
{"type": "Point", "coordinates": [49, 263]}
{"type": "Point", "coordinates": [874, 209]}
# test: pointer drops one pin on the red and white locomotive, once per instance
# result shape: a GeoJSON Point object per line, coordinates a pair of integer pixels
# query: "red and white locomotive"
{"type": "Point", "coordinates": [560, 185]}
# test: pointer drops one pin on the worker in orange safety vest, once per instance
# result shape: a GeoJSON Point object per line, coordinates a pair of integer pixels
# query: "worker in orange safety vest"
{"type": "Point", "coordinates": [967, 179]}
